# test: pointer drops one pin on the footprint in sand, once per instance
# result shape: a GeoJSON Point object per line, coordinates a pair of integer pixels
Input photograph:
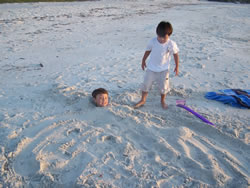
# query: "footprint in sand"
{"type": "Point", "coordinates": [75, 130]}
{"type": "Point", "coordinates": [111, 139]}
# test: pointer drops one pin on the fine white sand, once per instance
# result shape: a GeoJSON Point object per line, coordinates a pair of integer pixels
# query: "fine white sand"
{"type": "Point", "coordinates": [52, 55]}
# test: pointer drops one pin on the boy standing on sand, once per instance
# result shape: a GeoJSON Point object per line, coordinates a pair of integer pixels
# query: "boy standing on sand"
{"type": "Point", "coordinates": [160, 50]}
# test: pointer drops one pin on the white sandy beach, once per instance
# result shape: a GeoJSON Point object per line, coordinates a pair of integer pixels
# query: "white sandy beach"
{"type": "Point", "coordinates": [52, 56]}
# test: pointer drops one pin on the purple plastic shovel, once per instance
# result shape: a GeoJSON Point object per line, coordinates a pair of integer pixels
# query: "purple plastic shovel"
{"type": "Point", "coordinates": [181, 103]}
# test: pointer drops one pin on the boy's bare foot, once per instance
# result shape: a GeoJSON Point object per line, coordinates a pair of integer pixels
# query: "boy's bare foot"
{"type": "Point", "coordinates": [139, 104]}
{"type": "Point", "coordinates": [164, 105]}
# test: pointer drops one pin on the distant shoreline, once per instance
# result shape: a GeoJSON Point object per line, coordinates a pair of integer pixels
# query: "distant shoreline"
{"type": "Point", "coordinates": [36, 1]}
{"type": "Point", "coordinates": [232, 1]}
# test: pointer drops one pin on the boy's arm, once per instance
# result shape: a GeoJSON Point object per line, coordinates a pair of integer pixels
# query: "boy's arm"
{"type": "Point", "coordinates": [143, 64]}
{"type": "Point", "coordinates": [176, 60]}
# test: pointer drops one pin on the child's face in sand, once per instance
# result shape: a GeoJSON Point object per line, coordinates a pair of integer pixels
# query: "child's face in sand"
{"type": "Point", "coordinates": [102, 100]}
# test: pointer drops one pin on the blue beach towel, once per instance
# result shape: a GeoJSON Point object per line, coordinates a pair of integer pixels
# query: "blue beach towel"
{"type": "Point", "coordinates": [234, 97]}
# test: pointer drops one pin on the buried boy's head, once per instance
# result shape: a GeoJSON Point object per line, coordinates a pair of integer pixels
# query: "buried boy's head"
{"type": "Point", "coordinates": [101, 97]}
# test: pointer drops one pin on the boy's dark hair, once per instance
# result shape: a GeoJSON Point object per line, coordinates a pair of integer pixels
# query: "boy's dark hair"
{"type": "Point", "coordinates": [99, 91]}
{"type": "Point", "coordinates": [164, 28]}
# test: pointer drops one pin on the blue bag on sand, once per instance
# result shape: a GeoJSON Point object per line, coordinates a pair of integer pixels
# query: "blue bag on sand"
{"type": "Point", "coordinates": [234, 97]}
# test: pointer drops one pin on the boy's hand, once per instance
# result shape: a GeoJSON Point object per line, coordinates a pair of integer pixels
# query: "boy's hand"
{"type": "Point", "coordinates": [143, 65]}
{"type": "Point", "coordinates": [176, 70]}
{"type": "Point", "coordinates": [176, 60]}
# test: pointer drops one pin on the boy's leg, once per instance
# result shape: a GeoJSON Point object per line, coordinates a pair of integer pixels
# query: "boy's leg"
{"type": "Point", "coordinates": [163, 104]}
{"type": "Point", "coordinates": [143, 100]}
{"type": "Point", "coordinates": [147, 83]}
{"type": "Point", "coordinates": [163, 83]}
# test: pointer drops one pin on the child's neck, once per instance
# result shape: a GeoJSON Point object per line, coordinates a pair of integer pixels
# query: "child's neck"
{"type": "Point", "coordinates": [162, 40]}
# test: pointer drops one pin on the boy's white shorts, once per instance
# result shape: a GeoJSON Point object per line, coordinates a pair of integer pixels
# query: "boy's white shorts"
{"type": "Point", "coordinates": [161, 78]}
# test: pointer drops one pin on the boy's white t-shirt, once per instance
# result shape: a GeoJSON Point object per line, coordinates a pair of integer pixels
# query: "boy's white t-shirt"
{"type": "Point", "coordinates": [160, 56]}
